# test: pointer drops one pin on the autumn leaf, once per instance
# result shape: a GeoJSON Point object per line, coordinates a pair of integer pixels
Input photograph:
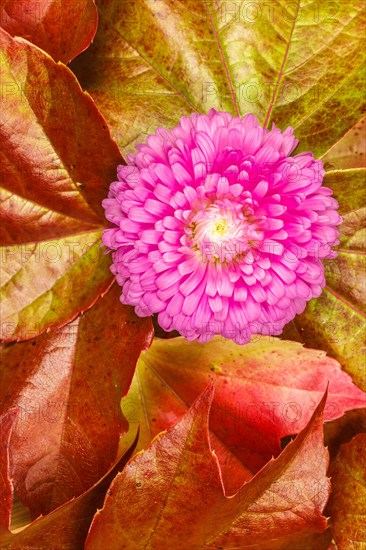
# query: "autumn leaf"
{"type": "Point", "coordinates": [348, 500]}
{"type": "Point", "coordinates": [66, 527]}
{"type": "Point", "coordinates": [298, 64]}
{"type": "Point", "coordinates": [165, 489]}
{"type": "Point", "coordinates": [68, 385]}
{"type": "Point", "coordinates": [291, 63]}
{"type": "Point", "coordinates": [60, 27]}
{"type": "Point", "coordinates": [336, 321]}
{"type": "Point", "coordinates": [57, 161]}
{"type": "Point", "coordinates": [265, 390]}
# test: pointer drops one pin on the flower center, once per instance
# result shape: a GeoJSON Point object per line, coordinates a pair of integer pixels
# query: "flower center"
{"type": "Point", "coordinates": [222, 231]}
{"type": "Point", "coordinates": [219, 228]}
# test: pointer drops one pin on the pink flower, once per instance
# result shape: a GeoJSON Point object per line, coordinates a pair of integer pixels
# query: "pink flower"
{"type": "Point", "coordinates": [218, 230]}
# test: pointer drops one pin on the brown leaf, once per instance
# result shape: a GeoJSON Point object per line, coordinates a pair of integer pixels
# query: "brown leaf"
{"type": "Point", "coordinates": [173, 491]}
{"type": "Point", "coordinates": [58, 160]}
{"type": "Point", "coordinates": [68, 385]}
{"type": "Point", "coordinates": [60, 27]}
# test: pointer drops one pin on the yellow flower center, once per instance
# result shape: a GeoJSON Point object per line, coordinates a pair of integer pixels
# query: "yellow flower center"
{"type": "Point", "coordinates": [219, 228]}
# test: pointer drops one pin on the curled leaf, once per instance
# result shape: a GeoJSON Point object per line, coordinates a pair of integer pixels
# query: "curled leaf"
{"type": "Point", "coordinates": [66, 527]}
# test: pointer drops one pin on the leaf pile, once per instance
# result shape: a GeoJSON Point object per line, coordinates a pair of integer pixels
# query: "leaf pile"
{"type": "Point", "coordinates": [211, 426]}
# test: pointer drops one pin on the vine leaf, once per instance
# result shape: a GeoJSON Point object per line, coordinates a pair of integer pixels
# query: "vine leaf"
{"type": "Point", "coordinates": [265, 390]}
{"type": "Point", "coordinates": [58, 160]}
{"type": "Point", "coordinates": [67, 526]}
{"type": "Point", "coordinates": [6, 494]}
{"type": "Point", "coordinates": [60, 27]}
{"type": "Point", "coordinates": [165, 488]}
{"type": "Point", "coordinates": [67, 385]}
{"type": "Point", "coordinates": [292, 63]}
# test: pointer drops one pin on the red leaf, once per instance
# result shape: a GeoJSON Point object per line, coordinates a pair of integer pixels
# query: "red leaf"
{"type": "Point", "coordinates": [6, 487]}
{"type": "Point", "coordinates": [60, 27]}
{"type": "Point", "coordinates": [58, 160]}
{"type": "Point", "coordinates": [173, 492]}
{"type": "Point", "coordinates": [66, 527]}
{"type": "Point", "coordinates": [265, 390]}
{"type": "Point", "coordinates": [68, 385]}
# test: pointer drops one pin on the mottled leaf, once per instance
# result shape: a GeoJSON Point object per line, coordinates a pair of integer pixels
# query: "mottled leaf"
{"type": "Point", "coordinates": [68, 385]}
{"type": "Point", "coordinates": [265, 390]}
{"type": "Point", "coordinates": [176, 481]}
{"type": "Point", "coordinates": [336, 322]}
{"type": "Point", "coordinates": [293, 63]}
{"type": "Point", "coordinates": [58, 160]}
{"type": "Point", "coordinates": [348, 501]}
{"type": "Point", "coordinates": [62, 28]}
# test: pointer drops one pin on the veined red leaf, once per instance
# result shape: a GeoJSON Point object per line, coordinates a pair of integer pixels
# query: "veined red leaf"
{"type": "Point", "coordinates": [265, 390]}
{"type": "Point", "coordinates": [58, 160]}
{"type": "Point", "coordinates": [68, 385]}
{"type": "Point", "coordinates": [60, 27]}
{"type": "Point", "coordinates": [173, 491]}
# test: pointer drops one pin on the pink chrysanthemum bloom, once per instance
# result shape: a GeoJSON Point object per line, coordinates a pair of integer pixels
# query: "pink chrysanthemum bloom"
{"type": "Point", "coordinates": [218, 230]}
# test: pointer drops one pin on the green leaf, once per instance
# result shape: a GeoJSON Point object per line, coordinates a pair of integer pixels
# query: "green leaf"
{"type": "Point", "coordinates": [348, 497]}
{"type": "Point", "coordinates": [336, 321]}
{"type": "Point", "coordinates": [74, 267]}
{"type": "Point", "coordinates": [291, 63]}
